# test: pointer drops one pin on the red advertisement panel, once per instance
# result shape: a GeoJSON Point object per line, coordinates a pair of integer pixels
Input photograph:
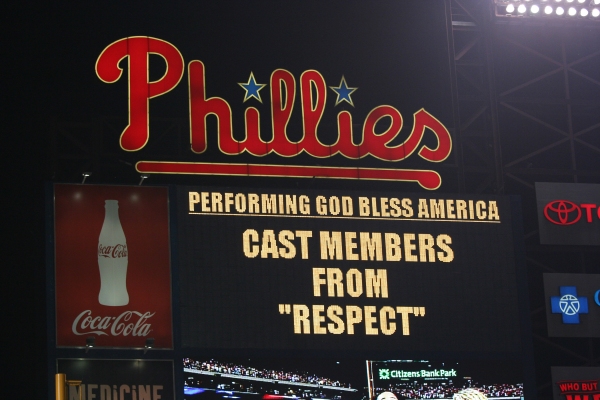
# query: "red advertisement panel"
{"type": "Point", "coordinates": [113, 276]}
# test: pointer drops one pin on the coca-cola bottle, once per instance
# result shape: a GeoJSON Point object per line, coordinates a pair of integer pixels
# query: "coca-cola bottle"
{"type": "Point", "coordinates": [112, 258]}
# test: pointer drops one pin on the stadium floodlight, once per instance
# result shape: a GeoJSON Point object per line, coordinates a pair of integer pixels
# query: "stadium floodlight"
{"type": "Point", "coordinates": [549, 9]}
{"type": "Point", "coordinates": [149, 344]}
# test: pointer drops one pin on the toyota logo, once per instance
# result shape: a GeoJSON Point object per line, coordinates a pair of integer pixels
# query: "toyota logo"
{"type": "Point", "coordinates": [562, 212]}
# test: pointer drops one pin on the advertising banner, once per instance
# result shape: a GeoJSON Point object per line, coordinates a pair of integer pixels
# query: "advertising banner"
{"type": "Point", "coordinates": [112, 266]}
{"type": "Point", "coordinates": [576, 383]}
{"type": "Point", "coordinates": [568, 213]}
{"type": "Point", "coordinates": [119, 379]}
{"type": "Point", "coordinates": [572, 304]}
{"type": "Point", "coordinates": [346, 270]}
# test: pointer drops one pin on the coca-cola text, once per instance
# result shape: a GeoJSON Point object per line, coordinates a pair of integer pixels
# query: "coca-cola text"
{"type": "Point", "coordinates": [116, 251]}
{"type": "Point", "coordinates": [122, 325]}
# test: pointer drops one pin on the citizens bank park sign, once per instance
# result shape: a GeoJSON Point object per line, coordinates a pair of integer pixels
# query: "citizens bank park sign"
{"type": "Point", "coordinates": [383, 134]}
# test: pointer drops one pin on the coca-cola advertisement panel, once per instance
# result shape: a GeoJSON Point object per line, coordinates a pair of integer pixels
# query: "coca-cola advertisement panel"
{"type": "Point", "coordinates": [112, 265]}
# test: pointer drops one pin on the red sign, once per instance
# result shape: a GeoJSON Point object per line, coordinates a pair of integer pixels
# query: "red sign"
{"type": "Point", "coordinates": [382, 143]}
{"type": "Point", "coordinates": [113, 276]}
{"type": "Point", "coordinates": [579, 389]}
{"type": "Point", "coordinates": [565, 212]}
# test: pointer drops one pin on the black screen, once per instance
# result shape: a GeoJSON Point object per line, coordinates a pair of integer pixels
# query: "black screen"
{"type": "Point", "coordinates": [345, 270]}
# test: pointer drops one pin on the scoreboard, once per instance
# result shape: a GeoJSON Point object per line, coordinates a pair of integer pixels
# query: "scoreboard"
{"type": "Point", "coordinates": [342, 270]}
{"type": "Point", "coordinates": [279, 293]}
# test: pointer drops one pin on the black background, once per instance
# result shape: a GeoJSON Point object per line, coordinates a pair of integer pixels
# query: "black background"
{"type": "Point", "coordinates": [50, 49]}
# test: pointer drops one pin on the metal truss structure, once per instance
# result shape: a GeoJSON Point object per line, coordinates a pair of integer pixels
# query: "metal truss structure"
{"type": "Point", "coordinates": [527, 109]}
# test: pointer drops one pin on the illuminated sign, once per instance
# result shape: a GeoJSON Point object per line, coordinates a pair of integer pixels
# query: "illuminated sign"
{"type": "Point", "coordinates": [568, 213]}
{"type": "Point", "coordinates": [119, 379]}
{"type": "Point", "coordinates": [576, 383]}
{"type": "Point", "coordinates": [112, 255]}
{"type": "Point", "coordinates": [385, 373]}
{"type": "Point", "coordinates": [333, 270]}
{"type": "Point", "coordinates": [575, 311]}
{"type": "Point", "coordinates": [379, 137]}
{"type": "Point", "coordinates": [569, 304]}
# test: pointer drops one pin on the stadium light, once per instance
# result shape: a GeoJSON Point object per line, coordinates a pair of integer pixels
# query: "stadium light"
{"type": "Point", "coordinates": [142, 178]}
{"type": "Point", "coordinates": [552, 9]}
{"type": "Point", "coordinates": [149, 344]}
{"type": "Point", "coordinates": [89, 343]}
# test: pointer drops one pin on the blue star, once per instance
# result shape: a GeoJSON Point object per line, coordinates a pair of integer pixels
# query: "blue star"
{"type": "Point", "coordinates": [252, 88]}
{"type": "Point", "coordinates": [343, 92]}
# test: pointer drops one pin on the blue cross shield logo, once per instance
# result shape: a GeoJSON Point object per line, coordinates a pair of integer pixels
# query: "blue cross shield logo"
{"type": "Point", "coordinates": [569, 305]}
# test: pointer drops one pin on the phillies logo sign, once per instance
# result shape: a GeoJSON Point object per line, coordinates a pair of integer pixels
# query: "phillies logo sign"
{"type": "Point", "coordinates": [284, 91]}
{"type": "Point", "coordinates": [565, 212]}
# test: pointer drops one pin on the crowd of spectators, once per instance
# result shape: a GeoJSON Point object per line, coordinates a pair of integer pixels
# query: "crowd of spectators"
{"type": "Point", "coordinates": [235, 369]}
{"type": "Point", "coordinates": [445, 391]}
